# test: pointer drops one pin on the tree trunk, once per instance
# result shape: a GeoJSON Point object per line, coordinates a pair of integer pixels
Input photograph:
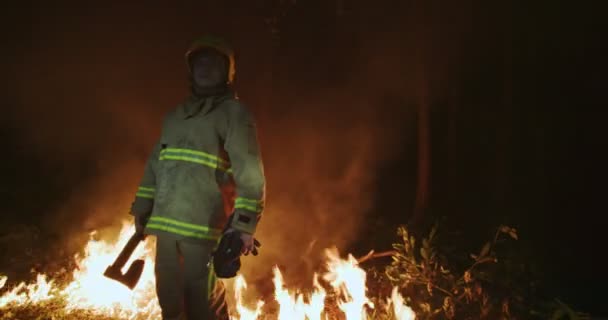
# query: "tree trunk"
{"type": "Point", "coordinates": [505, 123]}
{"type": "Point", "coordinates": [424, 161]}
{"type": "Point", "coordinates": [424, 134]}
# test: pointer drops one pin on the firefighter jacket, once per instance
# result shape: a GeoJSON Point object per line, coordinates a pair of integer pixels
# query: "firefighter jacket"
{"type": "Point", "coordinates": [205, 145]}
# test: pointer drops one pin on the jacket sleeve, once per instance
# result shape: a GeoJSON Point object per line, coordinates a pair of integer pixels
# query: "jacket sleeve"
{"type": "Point", "coordinates": [144, 197]}
{"type": "Point", "coordinates": [242, 147]}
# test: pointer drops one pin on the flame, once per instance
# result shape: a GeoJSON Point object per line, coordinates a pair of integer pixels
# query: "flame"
{"type": "Point", "coordinates": [293, 306]}
{"type": "Point", "coordinates": [348, 283]}
{"type": "Point", "coordinates": [94, 291]}
{"type": "Point", "coordinates": [90, 290]}
{"type": "Point", "coordinates": [244, 313]}
{"type": "Point", "coordinates": [40, 291]}
{"type": "Point", "coordinates": [400, 310]}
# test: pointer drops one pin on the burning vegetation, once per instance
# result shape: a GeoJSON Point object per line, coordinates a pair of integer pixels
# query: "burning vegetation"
{"type": "Point", "coordinates": [339, 292]}
{"type": "Point", "coordinates": [418, 284]}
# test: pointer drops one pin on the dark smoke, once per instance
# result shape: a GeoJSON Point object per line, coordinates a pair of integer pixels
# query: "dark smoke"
{"type": "Point", "coordinates": [333, 91]}
{"type": "Point", "coordinates": [336, 86]}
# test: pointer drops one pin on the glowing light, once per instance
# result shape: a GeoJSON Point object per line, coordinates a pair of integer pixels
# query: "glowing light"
{"type": "Point", "coordinates": [90, 290]}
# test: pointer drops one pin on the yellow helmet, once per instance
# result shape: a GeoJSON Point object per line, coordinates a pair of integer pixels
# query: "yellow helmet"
{"type": "Point", "coordinates": [217, 44]}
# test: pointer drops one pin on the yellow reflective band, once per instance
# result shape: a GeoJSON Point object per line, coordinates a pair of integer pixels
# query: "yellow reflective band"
{"type": "Point", "coordinates": [250, 208]}
{"type": "Point", "coordinates": [250, 201]}
{"type": "Point", "coordinates": [183, 228]}
{"type": "Point", "coordinates": [145, 192]}
{"type": "Point", "coordinates": [196, 153]}
{"type": "Point", "coordinates": [183, 224]}
{"type": "Point", "coordinates": [210, 282]}
{"type": "Point", "coordinates": [190, 159]}
{"type": "Point", "coordinates": [248, 204]}
{"type": "Point", "coordinates": [196, 157]}
{"type": "Point", "coordinates": [144, 195]}
{"type": "Point", "coordinates": [181, 232]}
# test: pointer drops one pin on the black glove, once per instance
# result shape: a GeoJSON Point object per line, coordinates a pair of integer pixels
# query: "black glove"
{"type": "Point", "coordinates": [140, 223]}
{"type": "Point", "coordinates": [227, 256]}
{"type": "Point", "coordinates": [228, 228]}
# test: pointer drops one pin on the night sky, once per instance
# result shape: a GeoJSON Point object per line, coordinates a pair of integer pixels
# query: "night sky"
{"type": "Point", "coordinates": [516, 97]}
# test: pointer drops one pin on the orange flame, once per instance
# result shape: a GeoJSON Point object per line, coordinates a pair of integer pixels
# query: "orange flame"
{"type": "Point", "coordinates": [90, 290]}
{"type": "Point", "coordinates": [34, 293]}
{"type": "Point", "coordinates": [400, 310]}
{"type": "Point", "coordinates": [293, 306]}
{"type": "Point", "coordinates": [244, 313]}
{"type": "Point", "coordinates": [348, 280]}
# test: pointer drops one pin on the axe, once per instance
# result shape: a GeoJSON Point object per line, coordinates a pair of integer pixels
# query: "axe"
{"type": "Point", "coordinates": [131, 277]}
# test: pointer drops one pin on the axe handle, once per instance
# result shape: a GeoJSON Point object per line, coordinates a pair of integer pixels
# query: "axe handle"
{"type": "Point", "coordinates": [127, 251]}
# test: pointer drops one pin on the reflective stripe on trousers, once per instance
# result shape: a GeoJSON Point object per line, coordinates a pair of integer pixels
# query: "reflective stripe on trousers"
{"type": "Point", "coordinates": [183, 283]}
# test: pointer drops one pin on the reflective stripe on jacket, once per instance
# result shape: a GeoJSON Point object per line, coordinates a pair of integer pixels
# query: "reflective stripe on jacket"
{"type": "Point", "coordinates": [205, 144]}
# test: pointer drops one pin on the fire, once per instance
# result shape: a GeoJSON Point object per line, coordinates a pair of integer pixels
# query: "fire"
{"type": "Point", "coordinates": [347, 282]}
{"type": "Point", "coordinates": [293, 306]}
{"type": "Point", "coordinates": [38, 292]}
{"type": "Point", "coordinates": [400, 310]}
{"type": "Point", "coordinates": [90, 290]}
{"type": "Point", "coordinates": [244, 313]}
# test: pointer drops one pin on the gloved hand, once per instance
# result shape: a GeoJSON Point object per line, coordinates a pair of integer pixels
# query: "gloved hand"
{"type": "Point", "coordinates": [249, 243]}
{"type": "Point", "coordinates": [226, 257]}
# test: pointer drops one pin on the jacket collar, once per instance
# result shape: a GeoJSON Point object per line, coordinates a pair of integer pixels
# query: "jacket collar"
{"type": "Point", "coordinates": [194, 106]}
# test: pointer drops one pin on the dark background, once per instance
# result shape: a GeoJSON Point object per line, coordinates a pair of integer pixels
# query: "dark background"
{"type": "Point", "coordinates": [515, 96]}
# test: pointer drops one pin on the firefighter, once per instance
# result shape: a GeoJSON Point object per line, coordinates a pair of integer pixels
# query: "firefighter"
{"type": "Point", "coordinates": [207, 156]}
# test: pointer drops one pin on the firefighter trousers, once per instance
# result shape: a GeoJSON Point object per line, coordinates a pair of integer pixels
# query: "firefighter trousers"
{"type": "Point", "coordinates": [185, 283]}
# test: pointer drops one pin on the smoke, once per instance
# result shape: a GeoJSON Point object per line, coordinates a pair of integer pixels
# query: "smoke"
{"type": "Point", "coordinates": [322, 153]}
{"type": "Point", "coordinates": [320, 187]}
{"type": "Point", "coordinates": [91, 103]}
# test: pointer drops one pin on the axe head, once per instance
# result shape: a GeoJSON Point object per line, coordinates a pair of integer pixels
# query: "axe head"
{"type": "Point", "coordinates": [130, 278]}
